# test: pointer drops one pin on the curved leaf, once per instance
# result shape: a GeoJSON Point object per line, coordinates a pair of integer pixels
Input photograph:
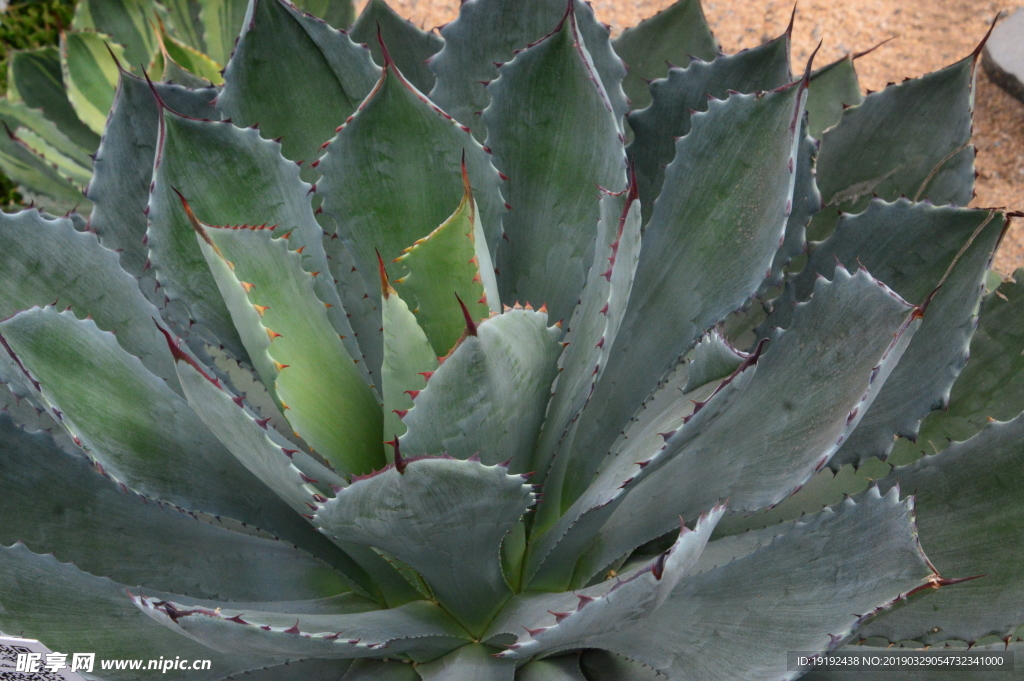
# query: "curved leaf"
{"type": "Point", "coordinates": [413, 182]}
{"type": "Point", "coordinates": [417, 629]}
{"type": "Point", "coordinates": [488, 32]}
{"type": "Point", "coordinates": [673, 36]}
{"type": "Point", "coordinates": [833, 89]}
{"type": "Point", "coordinates": [417, 511]}
{"type": "Point", "coordinates": [283, 57]}
{"type": "Point", "coordinates": [574, 620]}
{"type": "Point", "coordinates": [91, 74]}
{"type": "Point", "coordinates": [231, 176]}
{"type": "Point", "coordinates": [408, 360]}
{"type": "Point", "coordinates": [49, 262]}
{"type": "Point", "coordinates": [705, 250]}
{"type": "Point", "coordinates": [553, 131]}
{"type": "Point", "coordinates": [409, 46]}
{"type": "Point", "coordinates": [805, 395]}
{"type": "Point", "coordinates": [473, 662]}
{"type": "Point", "coordinates": [68, 609]}
{"type": "Point", "coordinates": [298, 353]}
{"type": "Point", "coordinates": [40, 182]}
{"type": "Point", "coordinates": [139, 431]}
{"type": "Point", "coordinates": [915, 248]}
{"type": "Point", "coordinates": [912, 139]}
{"type": "Point", "coordinates": [448, 266]}
{"type": "Point", "coordinates": [489, 395]}
{"type": "Point", "coordinates": [990, 386]}
{"type": "Point", "coordinates": [590, 336]}
{"type": "Point", "coordinates": [123, 167]}
{"type": "Point", "coordinates": [657, 127]}
{"type": "Point", "coordinates": [34, 77]}
{"type": "Point", "coordinates": [968, 499]}
{"type": "Point", "coordinates": [55, 502]}
{"type": "Point", "coordinates": [802, 592]}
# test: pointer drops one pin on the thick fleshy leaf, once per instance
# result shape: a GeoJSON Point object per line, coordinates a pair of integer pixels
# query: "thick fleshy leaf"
{"type": "Point", "coordinates": [489, 32]}
{"type": "Point", "coordinates": [806, 202]}
{"type": "Point", "coordinates": [244, 437]}
{"type": "Point", "coordinates": [123, 170]}
{"type": "Point", "coordinates": [71, 169]}
{"type": "Point", "coordinates": [137, 429]}
{"type": "Point", "coordinates": [447, 271]}
{"type": "Point", "coordinates": [392, 175]}
{"type": "Point", "coordinates": [673, 37]}
{"type": "Point", "coordinates": [686, 90]}
{"type": "Point", "coordinates": [55, 502]}
{"type": "Point", "coordinates": [338, 13]}
{"type": "Point", "coordinates": [38, 180]}
{"type": "Point", "coordinates": [474, 662]}
{"type": "Point", "coordinates": [34, 77]}
{"type": "Point", "coordinates": [185, 22]}
{"type": "Point", "coordinates": [48, 262]}
{"type": "Point", "coordinates": [300, 357]}
{"type": "Point", "coordinates": [553, 131]}
{"type": "Point", "coordinates": [833, 89]}
{"type": "Point", "coordinates": [68, 609]}
{"type": "Point", "coordinates": [802, 592]}
{"type": "Point", "coordinates": [489, 395]}
{"type": "Point", "coordinates": [18, 115]}
{"type": "Point", "coordinates": [916, 249]}
{"type": "Point", "coordinates": [562, 668]}
{"type": "Point", "coordinates": [418, 511]}
{"type": "Point", "coordinates": [231, 176]}
{"type": "Point", "coordinates": [806, 394]}
{"type": "Point", "coordinates": [912, 139]}
{"type": "Point", "coordinates": [705, 251]}
{"type": "Point", "coordinates": [574, 620]}
{"type": "Point", "coordinates": [417, 629]}
{"type": "Point", "coordinates": [408, 360]}
{"type": "Point", "coordinates": [285, 56]}
{"type": "Point", "coordinates": [376, 670]}
{"type": "Point", "coordinates": [222, 22]}
{"type": "Point", "coordinates": [91, 74]}
{"type": "Point", "coordinates": [128, 22]}
{"type": "Point", "coordinates": [590, 337]}
{"type": "Point", "coordinates": [991, 386]}
{"type": "Point", "coordinates": [409, 46]}
{"type": "Point", "coordinates": [713, 360]}
{"type": "Point", "coordinates": [968, 499]}
{"type": "Point", "coordinates": [197, 65]}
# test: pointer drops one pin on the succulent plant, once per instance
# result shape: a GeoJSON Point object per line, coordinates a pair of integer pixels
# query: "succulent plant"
{"type": "Point", "coordinates": [439, 359]}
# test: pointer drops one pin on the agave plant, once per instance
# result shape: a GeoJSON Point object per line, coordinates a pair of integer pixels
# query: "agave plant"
{"type": "Point", "coordinates": [413, 370]}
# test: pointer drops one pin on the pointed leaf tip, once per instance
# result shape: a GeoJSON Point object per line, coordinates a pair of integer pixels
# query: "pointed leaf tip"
{"type": "Point", "coordinates": [470, 325]}
{"type": "Point", "coordinates": [385, 286]}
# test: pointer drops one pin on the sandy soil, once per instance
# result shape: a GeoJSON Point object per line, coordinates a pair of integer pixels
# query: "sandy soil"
{"type": "Point", "coordinates": [927, 35]}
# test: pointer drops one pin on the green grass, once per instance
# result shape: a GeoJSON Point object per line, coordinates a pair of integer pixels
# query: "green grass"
{"type": "Point", "coordinates": [26, 24]}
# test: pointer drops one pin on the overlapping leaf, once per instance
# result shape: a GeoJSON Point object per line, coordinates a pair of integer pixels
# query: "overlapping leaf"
{"type": "Point", "coordinates": [489, 396]}
{"type": "Point", "coordinates": [553, 130]}
{"type": "Point", "coordinates": [284, 57]}
{"type": "Point", "coordinates": [705, 250]}
{"type": "Point", "coordinates": [417, 511]}
{"type": "Point", "coordinates": [490, 32]}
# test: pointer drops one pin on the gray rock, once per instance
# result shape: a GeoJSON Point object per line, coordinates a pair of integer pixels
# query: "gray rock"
{"type": "Point", "coordinates": [1003, 58]}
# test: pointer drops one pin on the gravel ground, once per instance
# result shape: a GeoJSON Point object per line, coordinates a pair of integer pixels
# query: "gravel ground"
{"type": "Point", "coordinates": [926, 35]}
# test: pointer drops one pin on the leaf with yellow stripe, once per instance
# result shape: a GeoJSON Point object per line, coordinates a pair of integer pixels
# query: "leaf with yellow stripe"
{"type": "Point", "coordinates": [295, 349]}
{"type": "Point", "coordinates": [451, 263]}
